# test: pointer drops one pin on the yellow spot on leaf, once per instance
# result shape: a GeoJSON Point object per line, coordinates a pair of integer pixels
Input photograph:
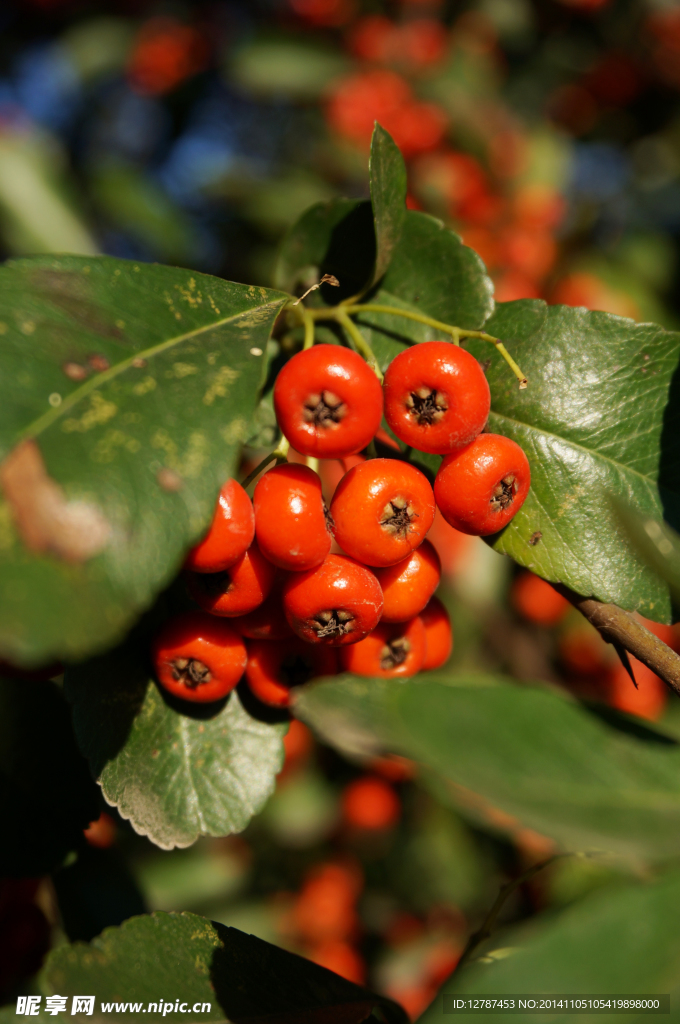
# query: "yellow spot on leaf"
{"type": "Point", "coordinates": [100, 412]}
{"type": "Point", "coordinates": [144, 386]}
{"type": "Point", "coordinates": [180, 370]}
{"type": "Point", "coordinates": [27, 327]}
{"type": "Point", "coordinates": [220, 384]}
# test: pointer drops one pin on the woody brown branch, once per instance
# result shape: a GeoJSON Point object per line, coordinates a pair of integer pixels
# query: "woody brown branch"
{"type": "Point", "coordinates": [620, 627]}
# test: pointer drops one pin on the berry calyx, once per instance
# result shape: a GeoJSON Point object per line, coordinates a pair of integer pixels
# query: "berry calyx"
{"type": "Point", "coordinates": [437, 398]}
{"type": "Point", "coordinates": [198, 657]}
{"type": "Point", "coordinates": [337, 603]}
{"type": "Point", "coordinates": [292, 523]}
{"type": "Point", "coordinates": [480, 489]}
{"type": "Point", "coordinates": [275, 667]}
{"type": "Point", "coordinates": [230, 535]}
{"type": "Point", "coordinates": [328, 402]}
{"type": "Point", "coordinates": [393, 650]}
{"type": "Point", "coordinates": [408, 585]}
{"type": "Point", "coordinates": [382, 510]}
{"type": "Point", "coordinates": [237, 590]}
{"type": "Point", "coordinates": [438, 635]}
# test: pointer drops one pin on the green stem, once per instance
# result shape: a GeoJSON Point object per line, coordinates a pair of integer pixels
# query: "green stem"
{"type": "Point", "coordinates": [308, 322]}
{"type": "Point", "coordinates": [456, 333]}
{"type": "Point", "coordinates": [280, 454]}
{"type": "Point", "coordinates": [360, 343]}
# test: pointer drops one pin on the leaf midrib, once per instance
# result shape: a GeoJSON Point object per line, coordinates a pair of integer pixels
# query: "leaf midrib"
{"type": "Point", "coordinates": [574, 444]}
{"type": "Point", "coordinates": [94, 383]}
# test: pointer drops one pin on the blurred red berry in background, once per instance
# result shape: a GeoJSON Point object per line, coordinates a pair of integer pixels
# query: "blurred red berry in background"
{"type": "Point", "coordinates": [647, 701]}
{"type": "Point", "coordinates": [537, 600]}
{"type": "Point", "coordinates": [585, 289]}
{"type": "Point", "coordinates": [166, 53]}
{"type": "Point", "coordinates": [370, 803]}
{"type": "Point", "coordinates": [324, 13]}
{"type": "Point", "coordinates": [102, 832]}
{"type": "Point", "coordinates": [341, 957]}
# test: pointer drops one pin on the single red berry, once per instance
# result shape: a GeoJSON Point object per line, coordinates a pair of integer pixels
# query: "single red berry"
{"type": "Point", "coordinates": [268, 621]}
{"type": "Point", "coordinates": [370, 803]}
{"type": "Point", "coordinates": [237, 590]}
{"type": "Point", "coordinates": [438, 634]}
{"type": "Point", "coordinates": [230, 535]}
{"type": "Point", "coordinates": [198, 657]}
{"type": "Point", "coordinates": [648, 700]}
{"type": "Point", "coordinates": [328, 402]}
{"type": "Point", "coordinates": [408, 585]}
{"type": "Point", "coordinates": [437, 398]}
{"type": "Point", "coordinates": [536, 600]}
{"type": "Point", "coordinates": [480, 489]}
{"type": "Point", "coordinates": [275, 666]}
{"type": "Point", "coordinates": [382, 510]}
{"type": "Point", "coordinates": [292, 523]}
{"type": "Point", "coordinates": [392, 650]}
{"type": "Point", "coordinates": [337, 603]}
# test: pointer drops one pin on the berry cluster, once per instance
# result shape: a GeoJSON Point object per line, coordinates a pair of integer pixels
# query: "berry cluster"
{"type": "Point", "coordinates": [276, 601]}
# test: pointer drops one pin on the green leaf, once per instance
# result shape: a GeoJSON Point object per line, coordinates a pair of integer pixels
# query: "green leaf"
{"type": "Point", "coordinates": [186, 957]}
{"type": "Point", "coordinates": [656, 543]}
{"type": "Point", "coordinates": [587, 778]}
{"type": "Point", "coordinates": [296, 68]}
{"type": "Point", "coordinates": [600, 416]}
{"type": "Point", "coordinates": [335, 238]}
{"type": "Point", "coordinates": [175, 771]}
{"type": "Point", "coordinates": [46, 795]}
{"type": "Point", "coordinates": [127, 461]}
{"type": "Point", "coordinates": [621, 940]}
{"type": "Point", "coordinates": [387, 172]}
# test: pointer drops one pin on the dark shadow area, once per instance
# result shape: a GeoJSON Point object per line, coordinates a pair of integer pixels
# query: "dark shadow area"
{"type": "Point", "coordinates": [47, 796]}
{"type": "Point", "coordinates": [350, 255]}
{"type": "Point", "coordinates": [628, 725]}
{"type": "Point", "coordinates": [669, 458]}
{"type": "Point", "coordinates": [256, 709]}
{"type": "Point", "coordinates": [95, 892]}
{"type": "Point", "coordinates": [296, 990]}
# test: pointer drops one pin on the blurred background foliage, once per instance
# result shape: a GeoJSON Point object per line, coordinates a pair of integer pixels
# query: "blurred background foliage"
{"type": "Point", "coordinates": [547, 133]}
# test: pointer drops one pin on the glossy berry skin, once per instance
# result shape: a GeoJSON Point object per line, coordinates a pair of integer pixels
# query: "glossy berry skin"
{"type": "Point", "coordinates": [394, 650]}
{"type": "Point", "coordinates": [237, 590]}
{"type": "Point", "coordinates": [382, 510]}
{"type": "Point", "coordinates": [328, 402]}
{"type": "Point", "coordinates": [291, 522]}
{"type": "Point", "coordinates": [198, 657]}
{"type": "Point", "coordinates": [337, 603]}
{"type": "Point", "coordinates": [274, 667]}
{"type": "Point", "coordinates": [437, 398]}
{"type": "Point", "coordinates": [230, 535]}
{"type": "Point", "coordinates": [268, 620]}
{"type": "Point", "coordinates": [438, 635]}
{"type": "Point", "coordinates": [480, 489]}
{"type": "Point", "coordinates": [408, 585]}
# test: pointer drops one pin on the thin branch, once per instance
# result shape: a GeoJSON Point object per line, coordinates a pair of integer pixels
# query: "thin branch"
{"type": "Point", "coordinates": [489, 923]}
{"type": "Point", "coordinates": [622, 629]}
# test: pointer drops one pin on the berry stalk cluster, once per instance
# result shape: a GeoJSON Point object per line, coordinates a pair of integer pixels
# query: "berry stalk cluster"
{"type": "Point", "coordinates": [289, 589]}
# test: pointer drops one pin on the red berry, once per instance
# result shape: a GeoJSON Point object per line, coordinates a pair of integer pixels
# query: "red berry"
{"type": "Point", "coordinates": [437, 398]}
{"type": "Point", "coordinates": [393, 650]}
{"type": "Point", "coordinates": [230, 535]}
{"type": "Point", "coordinates": [537, 601]}
{"type": "Point", "coordinates": [647, 701]}
{"type": "Point", "coordinates": [275, 666]}
{"type": "Point", "coordinates": [198, 657]}
{"type": "Point", "coordinates": [337, 603]}
{"type": "Point", "coordinates": [370, 803]}
{"type": "Point", "coordinates": [237, 590]}
{"type": "Point", "coordinates": [438, 635]}
{"type": "Point", "coordinates": [382, 510]}
{"type": "Point", "coordinates": [480, 489]}
{"type": "Point", "coordinates": [328, 402]}
{"type": "Point", "coordinates": [408, 585]}
{"type": "Point", "coordinates": [268, 620]}
{"type": "Point", "coordinates": [291, 518]}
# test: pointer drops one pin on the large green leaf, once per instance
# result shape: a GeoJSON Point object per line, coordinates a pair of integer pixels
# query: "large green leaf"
{"type": "Point", "coordinates": [588, 779]}
{"type": "Point", "coordinates": [184, 957]}
{"type": "Point", "coordinates": [125, 462]}
{"type": "Point", "coordinates": [388, 197]}
{"type": "Point", "coordinates": [657, 544]}
{"type": "Point", "coordinates": [600, 416]}
{"type": "Point", "coordinates": [46, 795]}
{"type": "Point", "coordinates": [175, 771]}
{"type": "Point", "coordinates": [623, 940]}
